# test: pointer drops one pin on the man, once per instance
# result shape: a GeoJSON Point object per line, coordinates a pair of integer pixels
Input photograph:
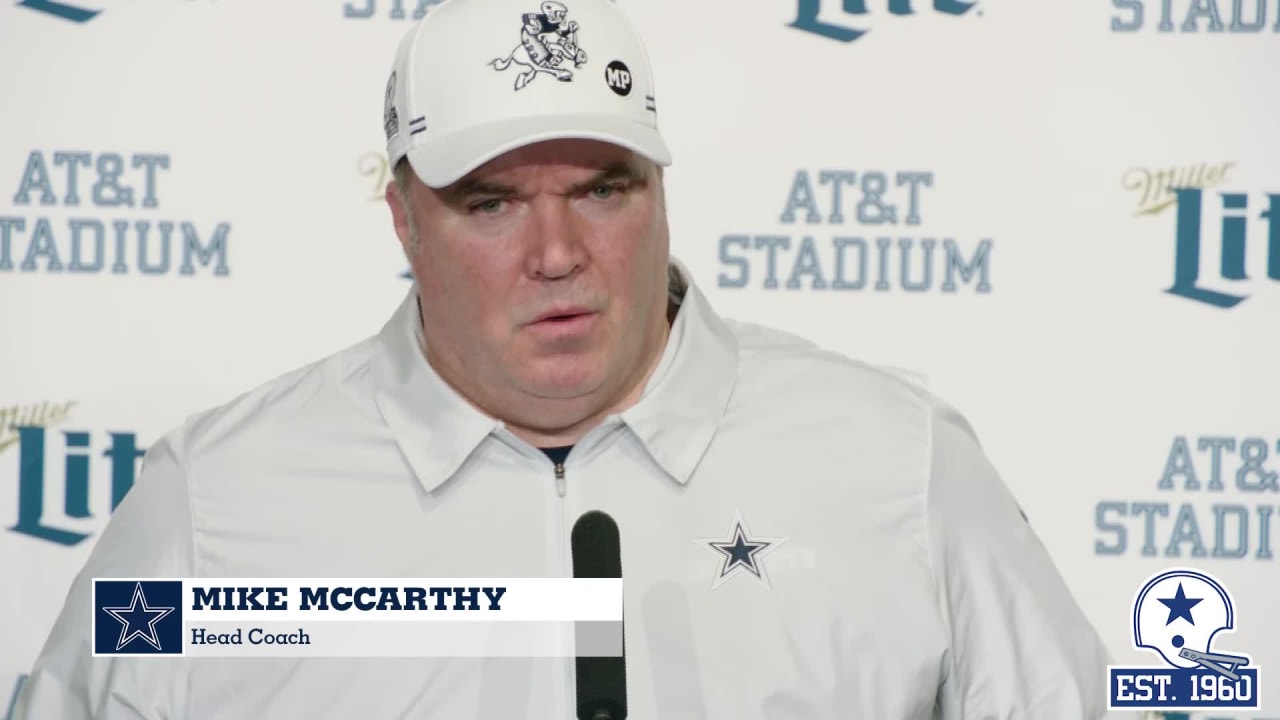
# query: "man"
{"type": "Point", "coordinates": [803, 536]}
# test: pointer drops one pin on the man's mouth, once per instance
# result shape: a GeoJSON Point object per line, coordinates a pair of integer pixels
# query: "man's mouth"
{"type": "Point", "coordinates": [561, 315]}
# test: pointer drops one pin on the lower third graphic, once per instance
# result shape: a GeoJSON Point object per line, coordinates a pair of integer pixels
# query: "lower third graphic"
{"type": "Point", "coordinates": [1177, 614]}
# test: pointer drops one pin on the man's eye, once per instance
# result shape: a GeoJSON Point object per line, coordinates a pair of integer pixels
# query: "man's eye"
{"type": "Point", "coordinates": [491, 205]}
{"type": "Point", "coordinates": [604, 192]}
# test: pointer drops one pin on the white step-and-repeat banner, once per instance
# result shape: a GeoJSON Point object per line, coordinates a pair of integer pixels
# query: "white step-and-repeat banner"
{"type": "Point", "coordinates": [1063, 217]}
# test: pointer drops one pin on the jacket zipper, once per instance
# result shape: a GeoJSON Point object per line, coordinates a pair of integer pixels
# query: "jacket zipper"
{"type": "Point", "coordinates": [560, 489]}
{"type": "Point", "coordinates": [568, 704]}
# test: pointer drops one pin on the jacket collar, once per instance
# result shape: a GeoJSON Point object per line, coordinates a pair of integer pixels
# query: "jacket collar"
{"type": "Point", "coordinates": [677, 416]}
{"type": "Point", "coordinates": [437, 430]}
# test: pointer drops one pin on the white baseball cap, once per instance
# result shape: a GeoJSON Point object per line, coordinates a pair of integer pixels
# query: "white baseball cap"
{"type": "Point", "coordinates": [477, 78]}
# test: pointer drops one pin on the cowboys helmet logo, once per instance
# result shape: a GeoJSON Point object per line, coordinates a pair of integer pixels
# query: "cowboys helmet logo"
{"type": "Point", "coordinates": [1178, 613]}
{"type": "Point", "coordinates": [547, 41]}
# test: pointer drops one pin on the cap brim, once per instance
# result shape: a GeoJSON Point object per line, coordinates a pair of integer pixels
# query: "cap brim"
{"type": "Point", "coordinates": [446, 159]}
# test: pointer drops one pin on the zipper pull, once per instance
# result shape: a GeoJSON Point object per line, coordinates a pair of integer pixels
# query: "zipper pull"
{"type": "Point", "coordinates": [560, 479]}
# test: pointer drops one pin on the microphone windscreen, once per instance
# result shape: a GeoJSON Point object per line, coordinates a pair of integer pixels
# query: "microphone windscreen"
{"type": "Point", "coordinates": [601, 681]}
{"type": "Point", "coordinates": [596, 547]}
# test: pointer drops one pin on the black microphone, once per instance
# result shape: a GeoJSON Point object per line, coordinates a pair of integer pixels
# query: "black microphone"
{"type": "Point", "coordinates": [602, 681]}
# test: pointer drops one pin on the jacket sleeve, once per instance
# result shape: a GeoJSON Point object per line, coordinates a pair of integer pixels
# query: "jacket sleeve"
{"type": "Point", "coordinates": [1020, 647]}
{"type": "Point", "coordinates": [149, 535]}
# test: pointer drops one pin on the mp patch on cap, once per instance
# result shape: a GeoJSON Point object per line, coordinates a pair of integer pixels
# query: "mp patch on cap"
{"type": "Point", "coordinates": [618, 76]}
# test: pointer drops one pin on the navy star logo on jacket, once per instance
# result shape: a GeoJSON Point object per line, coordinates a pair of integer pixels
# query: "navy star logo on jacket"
{"type": "Point", "coordinates": [741, 552]}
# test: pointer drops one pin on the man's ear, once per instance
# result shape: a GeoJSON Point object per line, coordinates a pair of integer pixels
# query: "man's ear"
{"type": "Point", "coordinates": [399, 217]}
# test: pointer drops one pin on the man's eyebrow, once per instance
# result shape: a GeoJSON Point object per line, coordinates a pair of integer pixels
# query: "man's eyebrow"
{"type": "Point", "coordinates": [469, 187]}
{"type": "Point", "coordinates": [620, 170]}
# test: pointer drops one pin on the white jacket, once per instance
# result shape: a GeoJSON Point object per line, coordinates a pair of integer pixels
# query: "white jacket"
{"type": "Point", "coordinates": [904, 582]}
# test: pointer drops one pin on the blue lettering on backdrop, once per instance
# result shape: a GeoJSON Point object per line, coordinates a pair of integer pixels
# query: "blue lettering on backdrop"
{"type": "Point", "coordinates": [808, 11]}
{"type": "Point", "coordinates": [89, 245]}
{"type": "Point", "coordinates": [1226, 529]}
{"type": "Point", "coordinates": [61, 10]}
{"type": "Point", "coordinates": [850, 262]}
{"type": "Point", "coordinates": [13, 699]}
{"type": "Point", "coordinates": [1187, 247]}
{"type": "Point", "coordinates": [364, 9]}
{"type": "Point", "coordinates": [1195, 16]}
{"type": "Point", "coordinates": [33, 517]}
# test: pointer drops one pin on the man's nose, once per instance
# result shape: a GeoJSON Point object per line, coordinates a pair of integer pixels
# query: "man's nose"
{"type": "Point", "coordinates": [556, 243]}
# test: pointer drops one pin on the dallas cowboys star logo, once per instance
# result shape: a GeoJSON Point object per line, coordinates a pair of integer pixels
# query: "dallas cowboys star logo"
{"type": "Point", "coordinates": [138, 620]}
{"type": "Point", "coordinates": [1180, 606]}
{"type": "Point", "coordinates": [741, 552]}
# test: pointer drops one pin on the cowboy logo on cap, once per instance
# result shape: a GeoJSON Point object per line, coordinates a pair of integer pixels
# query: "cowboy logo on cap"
{"type": "Point", "coordinates": [547, 40]}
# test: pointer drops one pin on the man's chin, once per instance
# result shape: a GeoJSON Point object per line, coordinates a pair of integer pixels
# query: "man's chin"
{"type": "Point", "coordinates": [563, 380]}
{"type": "Point", "coordinates": [563, 392]}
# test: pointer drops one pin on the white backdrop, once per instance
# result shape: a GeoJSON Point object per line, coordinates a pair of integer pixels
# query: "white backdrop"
{"type": "Point", "coordinates": [1026, 148]}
